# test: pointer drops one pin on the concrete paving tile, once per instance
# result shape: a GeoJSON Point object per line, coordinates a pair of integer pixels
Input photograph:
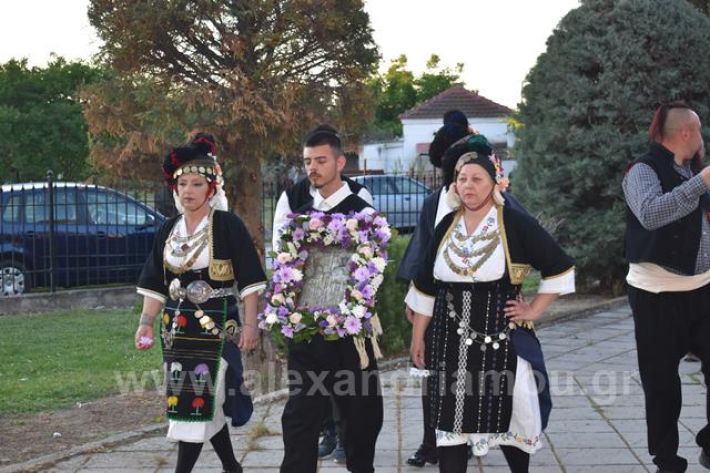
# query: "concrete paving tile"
{"type": "Point", "coordinates": [574, 413]}
{"type": "Point", "coordinates": [596, 456]}
{"type": "Point", "coordinates": [575, 426]}
{"type": "Point", "coordinates": [561, 440]}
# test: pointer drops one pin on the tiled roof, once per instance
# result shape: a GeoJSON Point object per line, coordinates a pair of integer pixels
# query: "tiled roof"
{"type": "Point", "coordinates": [457, 97]}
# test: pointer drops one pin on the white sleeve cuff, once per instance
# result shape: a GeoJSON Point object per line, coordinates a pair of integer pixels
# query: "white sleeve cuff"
{"type": "Point", "coordinates": [152, 294]}
{"type": "Point", "coordinates": [419, 302]}
{"type": "Point", "coordinates": [256, 287]}
{"type": "Point", "coordinates": [561, 284]}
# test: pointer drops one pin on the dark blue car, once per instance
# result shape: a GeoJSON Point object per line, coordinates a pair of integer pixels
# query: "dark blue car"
{"type": "Point", "coordinates": [100, 236]}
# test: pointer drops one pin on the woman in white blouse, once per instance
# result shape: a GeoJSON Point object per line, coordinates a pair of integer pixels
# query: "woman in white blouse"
{"type": "Point", "coordinates": [472, 330]}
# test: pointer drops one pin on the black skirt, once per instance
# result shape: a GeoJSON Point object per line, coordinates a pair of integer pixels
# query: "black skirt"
{"type": "Point", "coordinates": [470, 357]}
{"type": "Point", "coordinates": [193, 358]}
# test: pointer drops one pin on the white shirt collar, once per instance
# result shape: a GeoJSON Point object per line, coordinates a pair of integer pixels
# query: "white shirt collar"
{"type": "Point", "coordinates": [319, 203]}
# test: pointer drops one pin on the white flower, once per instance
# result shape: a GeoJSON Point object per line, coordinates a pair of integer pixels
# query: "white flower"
{"type": "Point", "coordinates": [380, 263]}
{"type": "Point", "coordinates": [343, 307]}
{"type": "Point", "coordinates": [328, 240]}
{"type": "Point", "coordinates": [331, 320]}
{"type": "Point", "coordinates": [359, 311]}
{"type": "Point", "coordinates": [356, 294]}
{"type": "Point", "coordinates": [295, 318]}
{"type": "Point", "coordinates": [271, 318]}
{"type": "Point", "coordinates": [376, 281]}
{"type": "Point", "coordinates": [351, 224]}
{"type": "Point", "coordinates": [277, 299]}
{"type": "Point", "coordinates": [366, 251]}
{"type": "Point", "coordinates": [297, 274]}
{"type": "Point", "coordinates": [284, 258]}
{"type": "Point", "coordinates": [291, 248]}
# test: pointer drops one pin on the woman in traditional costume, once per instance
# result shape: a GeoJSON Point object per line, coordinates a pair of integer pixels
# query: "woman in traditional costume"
{"type": "Point", "coordinates": [473, 331]}
{"type": "Point", "coordinates": [190, 274]}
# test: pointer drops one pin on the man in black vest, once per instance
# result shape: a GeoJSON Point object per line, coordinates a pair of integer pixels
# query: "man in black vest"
{"type": "Point", "coordinates": [316, 366]}
{"type": "Point", "coordinates": [303, 191]}
{"type": "Point", "coordinates": [668, 250]}
{"type": "Point", "coordinates": [292, 199]}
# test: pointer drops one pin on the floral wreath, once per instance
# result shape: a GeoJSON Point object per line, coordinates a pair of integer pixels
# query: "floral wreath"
{"type": "Point", "coordinates": [367, 235]}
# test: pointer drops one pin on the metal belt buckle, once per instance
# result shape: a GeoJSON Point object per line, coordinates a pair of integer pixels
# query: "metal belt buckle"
{"type": "Point", "coordinates": [199, 292]}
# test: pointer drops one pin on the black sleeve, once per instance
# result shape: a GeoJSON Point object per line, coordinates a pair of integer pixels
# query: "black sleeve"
{"type": "Point", "coordinates": [424, 281]}
{"type": "Point", "coordinates": [542, 251]}
{"type": "Point", "coordinates": [423, 233]}
{"type": "Point", "coordinates": [152, 276]}
{"type": "Point", "coordinates": [248, 270]}
{"type": "Point", "coordinates": [512, 202]}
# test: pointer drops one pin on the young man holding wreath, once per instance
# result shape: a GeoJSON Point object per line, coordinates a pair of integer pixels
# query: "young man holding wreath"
{"type": "Point", "coordinates": [334, 245]}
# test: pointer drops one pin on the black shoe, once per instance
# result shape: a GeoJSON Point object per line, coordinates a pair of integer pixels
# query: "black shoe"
{"type": "Point", "coordinates": [237, 470]}
{"type": "Point", "coordinates": [704, 459]}
{"type": "Point", "coordinates": [423, 456]}
{"type": "Point", "coordinates": [328, 444]}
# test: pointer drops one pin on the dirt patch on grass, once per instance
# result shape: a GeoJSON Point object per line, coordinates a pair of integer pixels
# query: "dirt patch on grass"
{"type": "Point", "coordinates": [30, 436]}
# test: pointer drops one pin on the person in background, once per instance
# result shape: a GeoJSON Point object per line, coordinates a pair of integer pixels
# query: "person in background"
{"type": "Point", "coordinates": [668, 250]}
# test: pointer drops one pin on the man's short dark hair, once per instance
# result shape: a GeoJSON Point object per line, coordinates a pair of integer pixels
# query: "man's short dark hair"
{"type": "Point", "coordinates": [324, 135]}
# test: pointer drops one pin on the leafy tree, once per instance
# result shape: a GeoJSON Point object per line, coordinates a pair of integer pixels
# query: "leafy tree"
{"type": "Point", "coordinates": [41, 124]}
{"type": "Point", "coordinates": [257, 74]}
{"type": "Point", "coordinates": [586, 110]}
{"type": "Point", "coordinates": [398, 90]}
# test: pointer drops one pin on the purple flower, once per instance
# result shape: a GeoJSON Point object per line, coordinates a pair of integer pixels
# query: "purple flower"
{"type": "Point", "coordinates": [382, 235]}
{"type": "Point", "coordinates": [287, 331]}
{"type": "Point", "coordinates": [282, 311]}
{"type": "Point", "coordinates": [367, 325]}
{"type": "Point", "coordinates": [361, 274]}
{"type": "Point", "coordinates": [298, 234]}
{"type": "Point", "coordinates": [341, 332]}
{"type": "Point", "coordinates": [362, 235]}
{"type": "Point", "coordinates": [352, 325]}
{"type": "Point", "coordinates": [367, 292]}
{"type": "Point", "coordinates": [323, 323]}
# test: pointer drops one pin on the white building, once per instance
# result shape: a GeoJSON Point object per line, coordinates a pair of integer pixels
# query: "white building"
{"type": "Point", "coordinates": [421, 122]}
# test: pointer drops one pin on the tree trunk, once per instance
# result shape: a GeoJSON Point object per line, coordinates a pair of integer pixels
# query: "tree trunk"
{"type": "Point", "coordinates": [243, 186]}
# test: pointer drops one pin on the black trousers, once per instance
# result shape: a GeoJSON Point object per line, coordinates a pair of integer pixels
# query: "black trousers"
{"type": "Point", "coordinates": [429, 435]}
{"type": "Point", "coordinates": [318, 370]}
{"type": "Point", "coordinates": [668, 325]}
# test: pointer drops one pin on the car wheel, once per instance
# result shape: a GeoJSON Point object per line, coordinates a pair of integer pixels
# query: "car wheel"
{"type": "Point", "coordinates": [14, 279]}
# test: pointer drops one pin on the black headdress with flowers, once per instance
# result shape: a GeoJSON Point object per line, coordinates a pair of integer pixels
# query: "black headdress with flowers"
{"type": "Point", "coordinates": [198, 157]}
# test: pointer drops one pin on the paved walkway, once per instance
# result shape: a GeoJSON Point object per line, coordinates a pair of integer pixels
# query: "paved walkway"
{"type": "Point", "coordinates": [597, 423]}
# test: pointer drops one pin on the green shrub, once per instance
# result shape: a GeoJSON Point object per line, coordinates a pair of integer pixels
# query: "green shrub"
{"type": "Point", "coordinates": [390, 302]}
{"type": "Point", "coordinates": [586, 108]}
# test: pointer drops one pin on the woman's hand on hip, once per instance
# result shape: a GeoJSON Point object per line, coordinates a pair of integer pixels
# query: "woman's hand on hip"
{"type": "Point", "coordinates": [518, 310]}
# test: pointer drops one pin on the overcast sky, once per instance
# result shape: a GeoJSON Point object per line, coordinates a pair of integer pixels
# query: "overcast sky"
{"type": "Point", "coordinates": [497, 40]}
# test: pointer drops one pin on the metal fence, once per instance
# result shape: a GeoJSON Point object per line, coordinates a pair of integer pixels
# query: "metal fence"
{"type": "Point", "coordinates": [98, 235]}
{"type": "Point", "coordinates": [94, 235]}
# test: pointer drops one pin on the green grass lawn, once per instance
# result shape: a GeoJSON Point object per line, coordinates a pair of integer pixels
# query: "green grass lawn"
{"type": "Point", "coordinates": [51, 361]}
